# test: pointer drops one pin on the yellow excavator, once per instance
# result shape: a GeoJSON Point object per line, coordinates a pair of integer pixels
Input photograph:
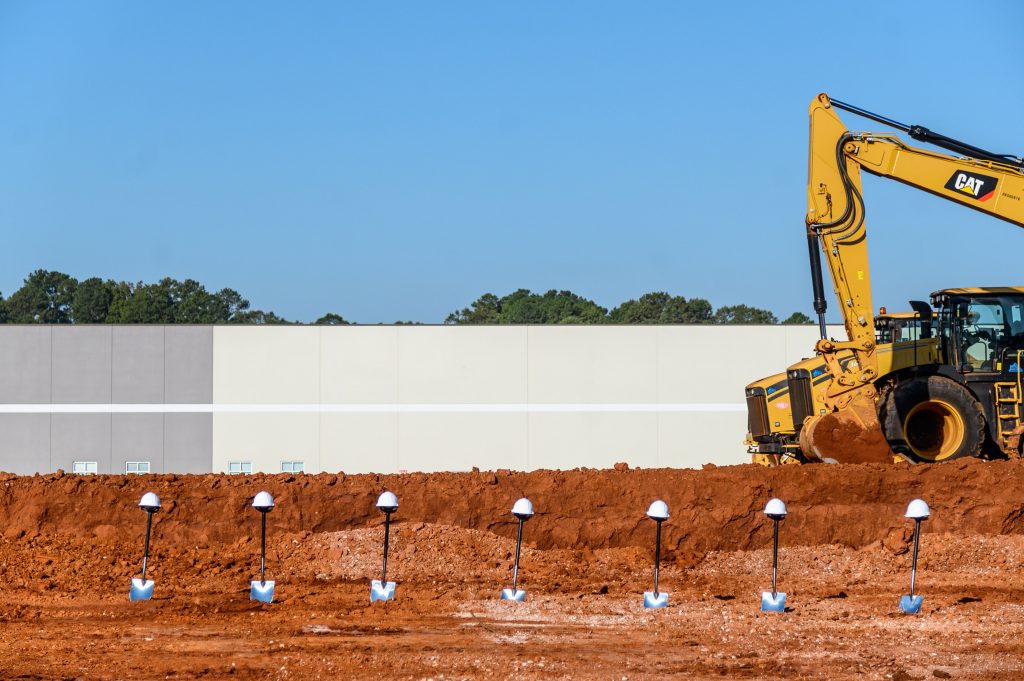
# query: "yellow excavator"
{"type": "Point", "coordinates": [956, 390]}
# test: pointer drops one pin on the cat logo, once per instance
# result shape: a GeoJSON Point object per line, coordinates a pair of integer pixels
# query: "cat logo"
{"type": "Point", "coordinates": [980, 187]}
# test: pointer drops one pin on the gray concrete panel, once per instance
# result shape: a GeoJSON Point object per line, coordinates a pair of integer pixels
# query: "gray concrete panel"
{"type": "Point", "coordinates": [25, 443]}
{"type": "Point", "coordinates": [188, 365]}
{"type": "Point", "coordinates": [24, 364]}
{"type": "Point", "coordinates": [137, 365]}
{"type": "Point", "coordinates": [137, 437]}
{"type": "Point", "coordinates": [80, 437]}
{"type": "Point", "coordinates": [81, 364]}
{"type": "Point", "coordinates": [188, 443]}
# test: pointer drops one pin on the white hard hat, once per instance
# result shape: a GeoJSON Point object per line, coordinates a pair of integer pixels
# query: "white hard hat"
{"type": "Point", "coordinates": [263, 502]}
{"type": "Point", "coordinates": [150, 502]}
{"type": "Point", "coordinates": [522, 509]}
{"type": "Point", "coordinates": [658, 510]}
{"type": "Point", "coordinates": [775, 509]}
{"type": "Point", "coordinates": [918, 510]}
{"type": "Point", "coordinates": [387, 502]}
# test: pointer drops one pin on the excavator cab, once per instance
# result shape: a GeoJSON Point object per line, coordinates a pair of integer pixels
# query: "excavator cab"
{"type": "Point", "coordinates": [982, 329]}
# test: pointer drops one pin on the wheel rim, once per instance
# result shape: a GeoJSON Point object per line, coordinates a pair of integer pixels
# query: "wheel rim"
{"type": "Point", "coordinates": [934, 430]}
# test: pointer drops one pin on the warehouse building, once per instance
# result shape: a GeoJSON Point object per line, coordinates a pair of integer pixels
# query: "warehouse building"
{"type": "Point", "coordinates": [241, 399]}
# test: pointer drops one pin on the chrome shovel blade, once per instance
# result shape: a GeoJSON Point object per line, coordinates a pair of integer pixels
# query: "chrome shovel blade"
{"type": "Point", "coordinates": [773, 603]}
{"type": "Point", "coordinates": [911, 604]}
{"type": "Point", "coordinates": [261, 591]}
{"type": "Point", "coordinates": [513, 595]}
{"type": "Point", "coordinates": [652, 600]}
{"type": "Point", "coordinates": [141, 590]}
{"type": "Point", "coordinates": [381, 592]}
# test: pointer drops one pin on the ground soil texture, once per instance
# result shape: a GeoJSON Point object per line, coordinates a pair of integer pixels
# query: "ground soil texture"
{"type": "Point", "coordinates": [70, 545]}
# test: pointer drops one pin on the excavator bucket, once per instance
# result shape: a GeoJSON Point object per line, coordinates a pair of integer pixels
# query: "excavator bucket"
{"type": "Point", "coordinates": [852, 434]}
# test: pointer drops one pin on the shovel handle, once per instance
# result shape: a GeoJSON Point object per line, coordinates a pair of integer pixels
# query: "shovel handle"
{"type": "Point", "coordinates": [657, 557]}
{"type": "Point", "coordinates": [515, 568]}
{"type": "Point", "coordinates": [387, 532]}
{"type": "Point", "coordinates": [775, 555]}
{"type": "Point", "coordinates": [913, 566]}
{"type": "Point", "coordinates": [263, 546]}
{"type": "Point", "coordinates": [145, 551]}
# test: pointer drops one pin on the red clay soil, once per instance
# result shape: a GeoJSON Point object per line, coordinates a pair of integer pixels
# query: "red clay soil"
{"type": "Point", "coordinates": [843, 436]}
{"type": "Point", "coordinates": [70, 545]}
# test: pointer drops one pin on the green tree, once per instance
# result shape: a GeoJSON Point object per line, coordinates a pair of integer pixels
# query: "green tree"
{"type": "Point", "coordinates": [661, 308]}
{"type": "Point", "coordinates": [44, 298]}
{"type": "Point", "coordinates": [565, 307]}
{"type": "Point", "coordinates": [743, 314]}
{"type": "Point", "coordinates": [485, 310]}
{"type": "Point", "coordinates": [525, 307]}
{"type": "Point", "coordinates": [259, 317]}
{"type": "Point", "coordinates": [798, 318]}
{"type": "Point", "coordinates": [331, 319]}
{"type": "Point", "coordinates": [3, 309]}
{"type": "Point", "coordinates": [191, 303]}
{"type": "Point", "coordinates": [235, 306]}
{"type": "Point", "coordinates": [91, 302]}
{"type": "Point", "coordinates": [142, 303]}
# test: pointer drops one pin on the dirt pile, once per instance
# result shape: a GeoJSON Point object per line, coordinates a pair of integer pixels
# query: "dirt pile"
{"type": "Point", "coordinates": [70, 545]}
{"type": "Point", "coordinates": [713, 509]}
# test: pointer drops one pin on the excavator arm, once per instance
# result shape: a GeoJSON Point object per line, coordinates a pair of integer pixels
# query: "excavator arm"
{"type": "Point", "coordinates": [990, 183]}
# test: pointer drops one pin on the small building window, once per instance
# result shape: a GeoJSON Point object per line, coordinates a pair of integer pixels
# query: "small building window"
{"type": "Point", "coordinates": [292, 466]}
{"type": "Point", "coordinates": [240, 467]}
{"type": "Point", "coordinates": [84, 468]}
{"type": "Point", "coordinates": [136, 467]}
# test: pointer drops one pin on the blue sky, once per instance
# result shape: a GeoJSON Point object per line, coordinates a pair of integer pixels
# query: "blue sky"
{"type": "Point", "coordinates": [393, 161]}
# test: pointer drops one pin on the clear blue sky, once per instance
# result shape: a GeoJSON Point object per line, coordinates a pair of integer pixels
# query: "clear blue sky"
{"type": "Point", "coordinates": [393, 161]}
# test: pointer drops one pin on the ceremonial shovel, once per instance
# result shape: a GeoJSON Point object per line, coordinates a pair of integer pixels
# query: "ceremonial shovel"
{"type": "Point", "coordinates": [381, 589]}
{"type": "Point", "coordinates": [774, 601]}
{"type": "Point", "coordinates": [917, 510]}
{"type": "Point", "coordinates": [262, 591]}
{"type": "Point", "coordinates": [522, 510]}
{"type": "Point", "coordinates": [658, 512]}
{"type": "Point", "coordinates": [142, 588]}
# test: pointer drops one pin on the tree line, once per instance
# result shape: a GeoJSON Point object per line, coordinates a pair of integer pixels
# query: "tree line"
{"type": "Point", "coordinates": [565, 307]}
{"type": "Point", "coordinates": [56, 298]}
{"type": "Point", "coordinates": [48, 297]}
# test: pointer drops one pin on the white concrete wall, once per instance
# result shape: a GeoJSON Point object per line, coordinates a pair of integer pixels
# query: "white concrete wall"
{"type": "Point", "coordinates": [428, 398]}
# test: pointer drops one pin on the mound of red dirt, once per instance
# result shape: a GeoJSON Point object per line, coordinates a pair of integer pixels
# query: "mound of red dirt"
{"type": "Point", "coordinates": [713, 509]}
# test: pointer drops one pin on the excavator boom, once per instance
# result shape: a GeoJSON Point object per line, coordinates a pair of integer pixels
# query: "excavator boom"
{"type": "Point", "coordinates": [987, 182]}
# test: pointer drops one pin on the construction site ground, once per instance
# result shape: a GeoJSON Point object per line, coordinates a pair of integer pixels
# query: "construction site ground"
{"type": "Point", "coordinates": [70, 545]}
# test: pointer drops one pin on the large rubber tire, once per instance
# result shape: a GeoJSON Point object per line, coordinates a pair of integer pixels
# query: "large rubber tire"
{"type": "Point", "coordinates": [933, 419]}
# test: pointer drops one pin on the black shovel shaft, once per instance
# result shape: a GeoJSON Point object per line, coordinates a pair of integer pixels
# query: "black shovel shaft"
{"type": "Point", "coordinates": [657, 558]}
{"type": "Point", "coordinates": [515, 568]}
{"type": "Point", "coordinates": [775, 556]}
{"type": "Point", "coordinates": [913, 566]}
{"type": "Point", "coordinates": [263, 546]}
{"type": "Point", "coordinates": [387, 532]}
{"type": "Point", "coordinates": [145, 551]}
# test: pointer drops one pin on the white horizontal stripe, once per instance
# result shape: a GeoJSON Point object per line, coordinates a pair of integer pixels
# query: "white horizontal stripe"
{"type": "Point", "coordinates": [361, 408]}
